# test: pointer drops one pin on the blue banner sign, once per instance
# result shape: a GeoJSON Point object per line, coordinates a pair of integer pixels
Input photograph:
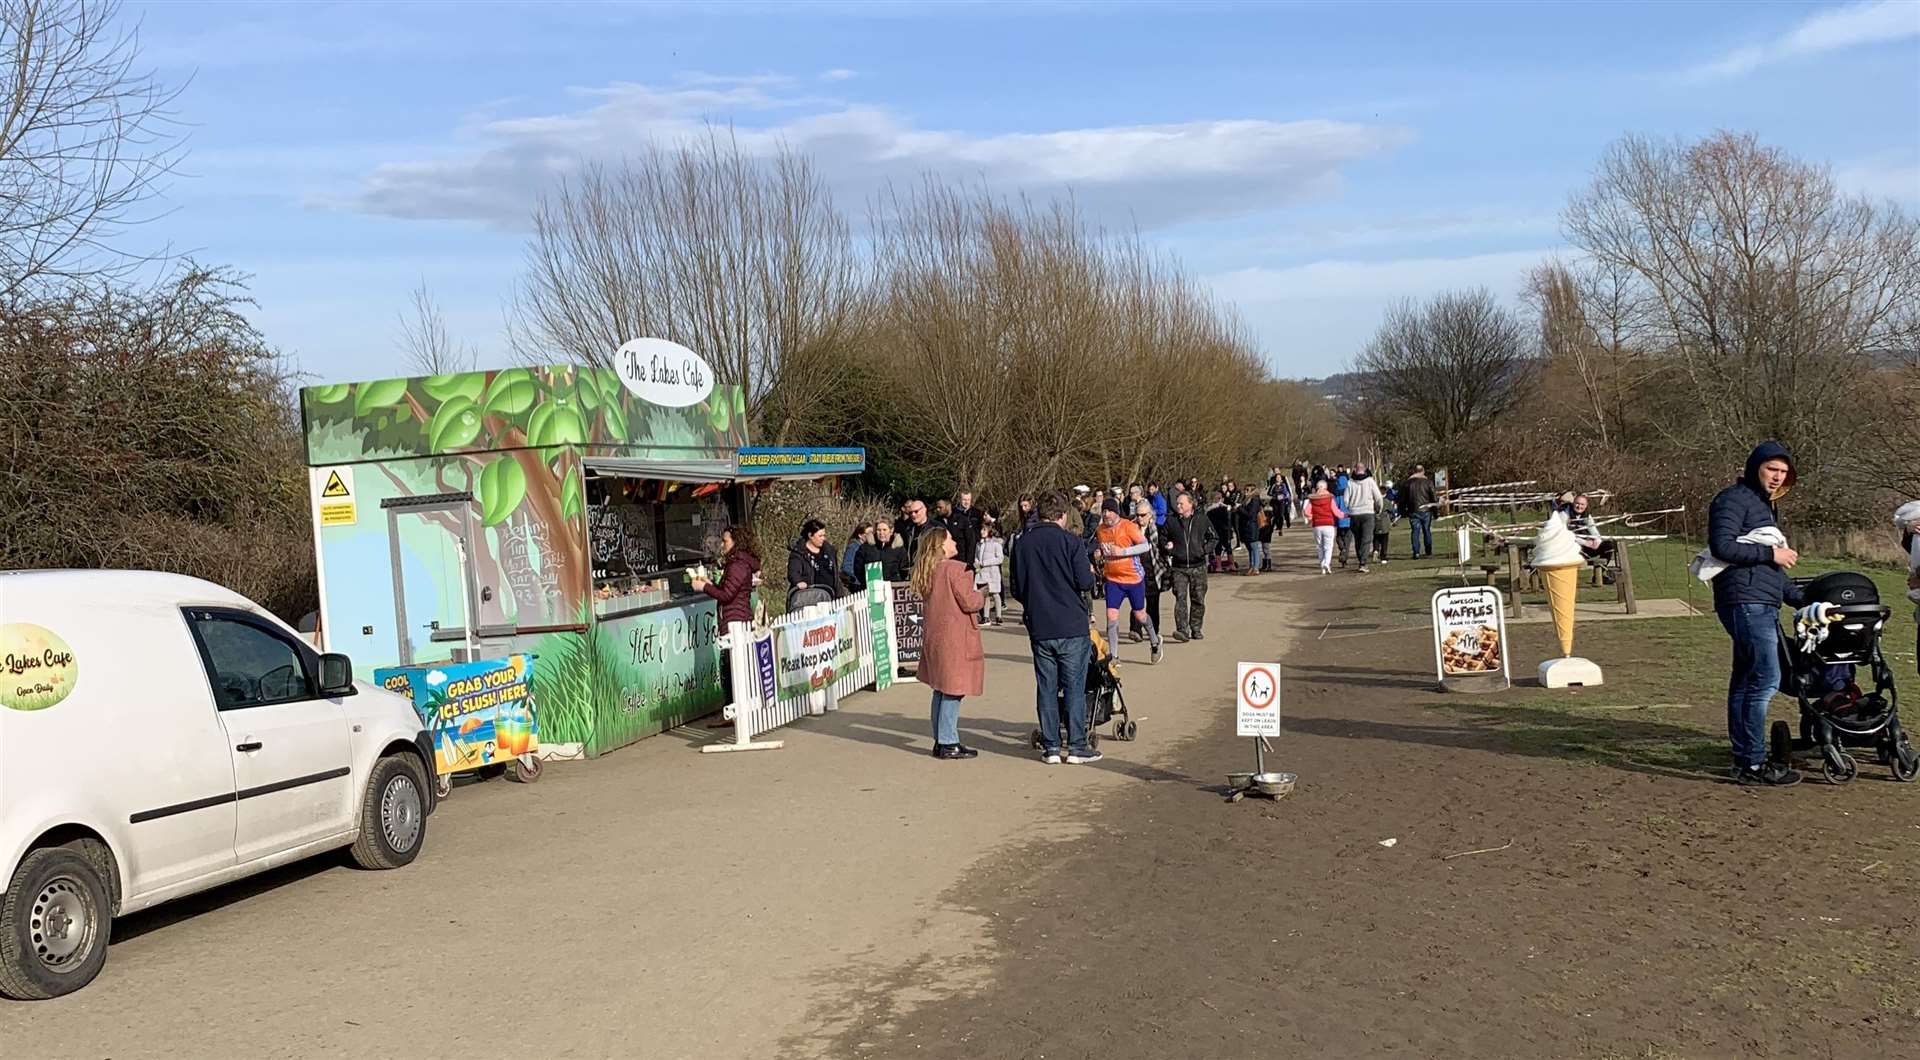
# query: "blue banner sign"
{"type": "Point", "coordinates": [800, 461]}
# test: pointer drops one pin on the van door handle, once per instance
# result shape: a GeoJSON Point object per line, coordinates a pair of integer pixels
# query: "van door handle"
{"type": "Point", "coordinates": [250, 745]}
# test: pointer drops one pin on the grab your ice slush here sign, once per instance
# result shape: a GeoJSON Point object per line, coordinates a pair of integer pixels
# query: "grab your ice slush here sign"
{"type": "Point", "coordinates": [1257, 693]}
{"type": "Point", "coordinates": [663, 373]}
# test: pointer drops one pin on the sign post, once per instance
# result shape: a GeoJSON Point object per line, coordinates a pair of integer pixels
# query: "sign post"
{"type": "Point", "coordinates": [877, 600]}
{"type": "Point", "coordinates": [1258, 710]}
{"type": "Point", "coordinates": [1257, 714]}
{"type": "Point", "coordinates": [1470, 640]}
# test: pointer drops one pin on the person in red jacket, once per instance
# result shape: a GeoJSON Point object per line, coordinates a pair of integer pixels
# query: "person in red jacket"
{"type": "Point", "coordinates": [1324, 513]}
{"type": "Point", "coordinates": [741, 565]}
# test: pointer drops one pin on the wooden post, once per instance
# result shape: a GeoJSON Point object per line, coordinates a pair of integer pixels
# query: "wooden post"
{"type": "Point", "coordinates": [1626, 579]}
{"type": "Point", "coordinates": [1513, 579]}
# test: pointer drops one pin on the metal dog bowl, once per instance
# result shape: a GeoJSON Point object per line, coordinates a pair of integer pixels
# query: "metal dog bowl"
{"type": "Point", "coordinates": [1272, 785]}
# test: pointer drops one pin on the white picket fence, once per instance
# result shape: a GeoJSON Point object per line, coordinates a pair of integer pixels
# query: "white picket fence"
{"type": "Point", "coordinates": [754, 655]}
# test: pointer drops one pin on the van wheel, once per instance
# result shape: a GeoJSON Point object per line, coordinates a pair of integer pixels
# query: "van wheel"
{"type": "Point", "coordinates": [393, 815]}
{"type": "Point", "coordinates": [54, 925]}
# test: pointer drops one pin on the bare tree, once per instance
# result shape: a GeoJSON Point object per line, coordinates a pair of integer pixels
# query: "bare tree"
{"type": "Point", "coordinates": [1774, 294]}
{"type": "Point", "coordinates": [85, 139]}
{"type": "Point", "coordinates": [1453, 364]}
{"type": "Point", "coordinates": [424, 338]}
{"type": "Point", "coordinates": [743, 259]}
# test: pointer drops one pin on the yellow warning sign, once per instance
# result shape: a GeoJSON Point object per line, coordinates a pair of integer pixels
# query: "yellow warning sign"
{"type": "Point", "coordinates": [333, 503]}
{"type": "Point", "coordinates": [339, 513]}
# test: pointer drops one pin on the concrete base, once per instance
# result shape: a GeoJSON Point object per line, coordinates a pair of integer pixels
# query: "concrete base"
{"type": "Point", "coordinates": [1569, 672]}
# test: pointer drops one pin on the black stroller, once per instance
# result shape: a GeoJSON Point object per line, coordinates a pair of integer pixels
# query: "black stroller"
{"type": "Point", "coordinates": [1105, 703]}
{"type": "Point", "coordinates": [1835, 713]}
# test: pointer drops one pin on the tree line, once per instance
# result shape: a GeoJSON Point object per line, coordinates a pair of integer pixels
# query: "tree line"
{"type": "Point", "coordinates": [967, 338]}
{"type": "Point", "coordinates": [1717, 292]}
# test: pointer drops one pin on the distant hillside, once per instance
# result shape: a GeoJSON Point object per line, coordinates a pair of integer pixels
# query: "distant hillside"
{"type": "Point", "coordinates": [1334, 386]}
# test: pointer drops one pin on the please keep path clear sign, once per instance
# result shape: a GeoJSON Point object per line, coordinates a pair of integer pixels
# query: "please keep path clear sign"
{"type": "Point", "coordinates": [1258, 695]}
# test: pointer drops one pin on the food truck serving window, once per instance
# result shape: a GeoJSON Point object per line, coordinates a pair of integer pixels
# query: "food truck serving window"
{"type": "Point", "coordinates": [644, 534]}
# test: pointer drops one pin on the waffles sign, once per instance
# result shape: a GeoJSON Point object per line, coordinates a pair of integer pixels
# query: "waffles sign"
{"type": "Point", "coordinates": [1470, 634]}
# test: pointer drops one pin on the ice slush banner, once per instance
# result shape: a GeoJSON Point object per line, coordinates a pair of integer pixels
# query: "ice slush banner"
{"type": "Point", "coordinates": [815, 653]}
{"type": "Point", "coordinates": [479, 713]}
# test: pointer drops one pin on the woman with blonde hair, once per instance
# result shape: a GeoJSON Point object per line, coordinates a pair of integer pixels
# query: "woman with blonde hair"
{"type": "Point", "coordinates": [952, 661]}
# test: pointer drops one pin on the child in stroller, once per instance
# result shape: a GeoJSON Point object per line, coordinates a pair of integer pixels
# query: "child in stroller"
{"type": "Point", "coordinates": [1837, 631]}
{"type": "Point", "coordinates": [1104, 701]}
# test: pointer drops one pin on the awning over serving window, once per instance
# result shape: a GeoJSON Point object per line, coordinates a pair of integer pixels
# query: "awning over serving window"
{"type": "Point", "coordinates": [690, 470]}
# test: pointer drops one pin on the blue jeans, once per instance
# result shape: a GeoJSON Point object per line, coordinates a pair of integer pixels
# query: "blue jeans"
{"type": "Point", "coordinates": [1755, 629]}
{"type": "Point", "coordinates": [1253, 554]}
{"type": "Point", "coordinates": [946, 718]}
{"type": "Point", "coordinates": [1060, 671]}
{"type": "Point", "coordinates": [1421, 524]}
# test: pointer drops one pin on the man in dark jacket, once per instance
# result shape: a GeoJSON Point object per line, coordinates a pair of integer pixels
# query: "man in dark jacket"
{"type": "Point", "coordinates": [1189, 540]}
{"type": "Point", "coordinates": [1416, 504]}
{"type": "Point", "coordinates": [964, 525]}
{"type": "Point", "coordinates": [1052, 574]}
{"type": "Point", "coordinates": [1747, 596]}
{"type": "Point", "coordinates": [917, 524]}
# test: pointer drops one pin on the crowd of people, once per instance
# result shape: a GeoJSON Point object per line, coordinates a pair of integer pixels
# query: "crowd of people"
{"type": "Point", "coordinates": [1066, 555]}
{"type": "Point", "coordinates": [1063, 554]}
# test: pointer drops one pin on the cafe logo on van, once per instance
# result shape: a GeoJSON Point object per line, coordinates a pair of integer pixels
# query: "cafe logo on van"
{"type": "Point", "coordinates": [663, 373]}
{"type": "Point", "coordinates": [36, 667]}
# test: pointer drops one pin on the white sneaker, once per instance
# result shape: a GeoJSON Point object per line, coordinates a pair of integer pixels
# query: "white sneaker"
{"type": "Point", "coordinates": [1084, 758]}
{"type": "Point", "coordinates": [1051, 758]}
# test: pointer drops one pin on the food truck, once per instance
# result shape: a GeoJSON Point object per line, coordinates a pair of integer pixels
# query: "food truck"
{"type": "Point", "coordinates": [547, 511]}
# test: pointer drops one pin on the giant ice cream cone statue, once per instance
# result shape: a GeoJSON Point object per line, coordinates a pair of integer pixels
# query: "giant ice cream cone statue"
{"type": "Point", "coordinates": [1556, 555]}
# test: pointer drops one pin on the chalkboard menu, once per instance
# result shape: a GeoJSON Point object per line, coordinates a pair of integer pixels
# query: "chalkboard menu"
{"type": "Point", "coordinates": [909, 627]}
{"type": "Point", "coordinates": [622, 538]}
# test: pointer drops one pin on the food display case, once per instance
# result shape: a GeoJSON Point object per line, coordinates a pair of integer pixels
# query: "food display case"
{"type": "Point", "coordinates": [647, 536]}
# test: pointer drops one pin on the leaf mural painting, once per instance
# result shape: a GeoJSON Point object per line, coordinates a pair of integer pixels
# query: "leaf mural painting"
{"type": "Point", "coordinates": [455, 426]}
{"type": "Point", "coordinates": [539, 408]}
{"type": "Point", "coordinates": [379, 394]}
{"type": "Point", "coordinates": [511, 394]}
{"type": "Point", "coordinates": [501, 488]}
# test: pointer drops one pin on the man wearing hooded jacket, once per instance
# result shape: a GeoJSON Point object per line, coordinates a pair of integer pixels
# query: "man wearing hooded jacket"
{"type": "Point", "coordinates": [1747, 596]}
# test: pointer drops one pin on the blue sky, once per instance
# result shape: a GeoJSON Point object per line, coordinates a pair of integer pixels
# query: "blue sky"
{"type": "Point", "coordinates": [1312, 162]}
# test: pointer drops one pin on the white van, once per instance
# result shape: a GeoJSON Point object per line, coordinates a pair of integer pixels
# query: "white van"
{"type": "Point", "coordinates": [160, 735]}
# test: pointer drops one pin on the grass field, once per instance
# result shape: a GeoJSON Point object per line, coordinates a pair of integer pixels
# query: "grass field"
{"type": "Point", "coordinates": [1662, 708]}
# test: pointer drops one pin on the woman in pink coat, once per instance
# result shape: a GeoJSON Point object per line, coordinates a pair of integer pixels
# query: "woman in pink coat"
{"type": "Point", "coordinates": [952, 661]}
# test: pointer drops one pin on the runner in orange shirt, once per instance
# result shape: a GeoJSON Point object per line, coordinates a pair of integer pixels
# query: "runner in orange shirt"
{"type": "Point", "coordinates": [1121, 545]}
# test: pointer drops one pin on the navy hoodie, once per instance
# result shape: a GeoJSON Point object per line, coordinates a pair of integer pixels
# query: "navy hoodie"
{"type": "Point", "coordinates": [1751, 576]}
{"type": "Point", "coordinates": [1051, 575]}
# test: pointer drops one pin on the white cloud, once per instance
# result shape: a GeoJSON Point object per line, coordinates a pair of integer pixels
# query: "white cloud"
{"type": "Point", "coordinates": [1881, 177]}
{"type": "Point", "coordinates": [838, 73]}
{"type": "Point", "coordinates": [1152, 175]}
{"type": "Point", "coordinates": [1315, 317]}
{"type": "Point", "coordinates": [1835, 28]}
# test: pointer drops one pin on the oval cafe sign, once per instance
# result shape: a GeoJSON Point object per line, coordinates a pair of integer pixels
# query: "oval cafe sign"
{"type": "Point", "coordinates": [663, 373]}
{"type": "Point", "coordinates": [37, 669]}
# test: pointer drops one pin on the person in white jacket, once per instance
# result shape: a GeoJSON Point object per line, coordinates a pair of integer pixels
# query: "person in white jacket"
{"type": "Point", "coordinates": [1363, 503]}
{"type": "Point", "coordinates": [1907, 521]}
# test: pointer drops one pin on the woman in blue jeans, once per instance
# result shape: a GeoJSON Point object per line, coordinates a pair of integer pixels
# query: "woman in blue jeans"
{"type": "Point", "coordinates": [1747, 596]}
{"type": "Point", "coordinates": [952, 661]}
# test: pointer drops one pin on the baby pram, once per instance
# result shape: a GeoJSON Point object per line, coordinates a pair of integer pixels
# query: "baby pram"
{"type": "Point", "coordinates": [1105, 703]}
{"type": "Point", "coordinates": [1822, 653]}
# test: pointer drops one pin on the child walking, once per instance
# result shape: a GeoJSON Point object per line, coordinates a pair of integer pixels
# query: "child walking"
{"type": "Point", "coordinates": [987, 560]}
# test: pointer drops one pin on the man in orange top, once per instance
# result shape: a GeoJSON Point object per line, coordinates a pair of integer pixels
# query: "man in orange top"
{"type": "Point", "coordinates": [1121, 546]}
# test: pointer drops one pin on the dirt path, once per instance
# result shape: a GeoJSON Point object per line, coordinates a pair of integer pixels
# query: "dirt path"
{"type": "Point", "coordinates": [1627, 911]}
{"type": "Point", "coordinates": [656, 903]}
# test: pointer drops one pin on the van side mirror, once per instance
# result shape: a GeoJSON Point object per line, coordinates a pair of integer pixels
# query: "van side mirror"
{"type": "Point", "coordinates": [336, 675]}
